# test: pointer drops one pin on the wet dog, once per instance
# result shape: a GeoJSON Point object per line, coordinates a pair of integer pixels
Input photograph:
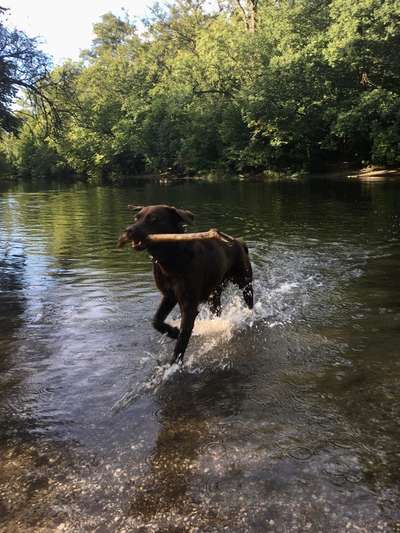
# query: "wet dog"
{"type": "Point", "coordinates": [187, 272]}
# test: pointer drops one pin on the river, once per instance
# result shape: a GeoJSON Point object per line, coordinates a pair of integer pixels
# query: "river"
{"type": "Point", "coordinates": [283, 419]}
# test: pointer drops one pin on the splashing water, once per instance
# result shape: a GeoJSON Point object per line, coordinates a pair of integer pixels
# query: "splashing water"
{"type": "Point", "coordinates": [161, 374]}
{"type": "Point", "coordinates": [284, 289]}
{"type": "Point", "coordinates": [212, 332]}
{"type": "Point", "coordinates": [210, 335]}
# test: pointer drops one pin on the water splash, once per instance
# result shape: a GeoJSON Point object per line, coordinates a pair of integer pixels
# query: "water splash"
{"type": "Point", "coordinates": [210, 334]}
{"type": "Point", "coordinates": [276, 304]}
{"type": "Point", "coordinates": [160, 375]}
{"type": "Point", "coordinates": [288, 288]}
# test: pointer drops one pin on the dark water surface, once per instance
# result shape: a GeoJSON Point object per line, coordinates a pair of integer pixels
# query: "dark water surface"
{"type": "Point", "coordinates": [285, 419]}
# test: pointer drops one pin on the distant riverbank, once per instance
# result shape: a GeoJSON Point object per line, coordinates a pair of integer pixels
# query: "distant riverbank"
{"type": "Point", "coordinates": [369, 173]}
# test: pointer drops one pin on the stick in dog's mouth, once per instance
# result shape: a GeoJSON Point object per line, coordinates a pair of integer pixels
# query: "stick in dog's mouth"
{"type": "Point", "coordinates": [136, 245]}
{"type": "Point", "coordinates": [123, 239]}
{"type": "Point", "coordinates": [173, 237]}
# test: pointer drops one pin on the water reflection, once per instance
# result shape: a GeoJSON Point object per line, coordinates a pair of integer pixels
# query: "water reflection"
{"type": "Point", "coordinates": [187, 406]}
{"type": "Point", "coordinates": [285, 419]}
{"type": "Point", "coordinates": [12, 307]}
{"type": "Point", "coordinates": [12, 299]}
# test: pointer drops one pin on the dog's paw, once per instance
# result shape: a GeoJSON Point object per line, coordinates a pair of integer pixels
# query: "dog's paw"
{"type": "Point", "coordinates": [173, 333]}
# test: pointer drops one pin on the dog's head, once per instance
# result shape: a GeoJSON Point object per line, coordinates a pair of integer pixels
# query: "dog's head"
{"type": "Point", "coordinates": [154, 219]}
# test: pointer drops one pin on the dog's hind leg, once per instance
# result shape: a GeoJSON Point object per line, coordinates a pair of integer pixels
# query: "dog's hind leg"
{"type": "Point", "coordinates": [187, 323]}
{"type": "Point", "coordinates": [248, 295]}
{"type": "Point", "coordinates": [245, 284]}
{"type": "Point", "coordinates": [214, 301]}
{"type": "Point", "coordinates": [167, 303]}
{"type": "Point", "coordinates": [245, 281]}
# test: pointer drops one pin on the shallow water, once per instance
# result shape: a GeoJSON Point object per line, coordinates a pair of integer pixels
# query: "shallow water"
{"type": "Point", "coordinates": [282, 419]}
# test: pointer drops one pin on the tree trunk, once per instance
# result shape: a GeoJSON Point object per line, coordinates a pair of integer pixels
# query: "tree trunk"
{"type": "Point", "coordinates": [248, 10]}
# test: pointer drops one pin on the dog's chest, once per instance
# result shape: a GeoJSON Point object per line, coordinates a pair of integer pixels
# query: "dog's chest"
{"type": "Point", "coordinates": [164, 280]}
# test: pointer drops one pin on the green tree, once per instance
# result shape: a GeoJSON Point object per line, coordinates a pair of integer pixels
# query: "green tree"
{"type": "Point", "coordinates": [363, 50]}
{"type": "Point", "coordinates": [22, 67]}
{"type": "Point", "coordinates": [312, 81]}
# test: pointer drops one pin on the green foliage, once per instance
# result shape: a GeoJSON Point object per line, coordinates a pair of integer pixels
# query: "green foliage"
{"type": "Point", "coordinates": [371, 127]}
{"type": "Point", "coordinates": [317, 81]}
{"type": "Point", "coordinates": [22, 66]}
{"type": "Point", "coordinates": [32, 154]}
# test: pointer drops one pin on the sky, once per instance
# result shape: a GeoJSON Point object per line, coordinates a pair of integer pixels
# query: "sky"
{"type": "Point", "coordinates": [65, 26]}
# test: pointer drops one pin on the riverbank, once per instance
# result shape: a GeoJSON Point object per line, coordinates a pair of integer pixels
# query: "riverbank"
{"type": "Point", "coordinates": [369, 173]}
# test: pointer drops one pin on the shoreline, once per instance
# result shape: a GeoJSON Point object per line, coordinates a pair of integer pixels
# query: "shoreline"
{"type": "Point", "coordinates": [371, 173]}
{"type": "Point", "coordinates": [368, 173]}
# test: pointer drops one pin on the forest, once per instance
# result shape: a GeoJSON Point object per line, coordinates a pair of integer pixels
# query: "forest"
{"type": "Point", "coordinates": [242, 87]}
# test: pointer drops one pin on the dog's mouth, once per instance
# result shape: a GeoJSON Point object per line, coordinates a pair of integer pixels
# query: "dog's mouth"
{"type": "Point", "coordinates": [138, 245]}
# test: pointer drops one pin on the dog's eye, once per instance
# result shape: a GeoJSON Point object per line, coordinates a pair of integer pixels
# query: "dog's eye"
{"type": "Point", "coordinates": [153, 218]}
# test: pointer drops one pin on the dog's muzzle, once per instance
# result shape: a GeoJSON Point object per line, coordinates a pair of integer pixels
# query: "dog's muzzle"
{"type": "Point", "coordinates": [137, 245]}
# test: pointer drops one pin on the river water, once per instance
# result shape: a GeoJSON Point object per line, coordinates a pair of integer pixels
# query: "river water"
{"type": "Point", "coordinates": [283, 419]}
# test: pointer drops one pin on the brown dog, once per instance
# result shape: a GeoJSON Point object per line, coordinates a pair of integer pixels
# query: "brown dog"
{"type": "Point", "coordinates": [187, 272]}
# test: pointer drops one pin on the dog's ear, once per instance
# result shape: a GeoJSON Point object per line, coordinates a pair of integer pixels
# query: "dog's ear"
{"type": "Point", "coordinates": [186, 216]}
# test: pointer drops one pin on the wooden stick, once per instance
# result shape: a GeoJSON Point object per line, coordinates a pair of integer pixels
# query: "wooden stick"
{"type": "Point", "coordinates": [170, 237]}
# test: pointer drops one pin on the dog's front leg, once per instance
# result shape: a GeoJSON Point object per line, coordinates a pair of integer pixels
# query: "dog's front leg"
{"type": "Point", "coordinates": [187, 322]}
{"type": "Point", "coordinates": [167, 303]}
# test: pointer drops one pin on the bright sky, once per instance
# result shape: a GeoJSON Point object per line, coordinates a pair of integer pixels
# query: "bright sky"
{"type": "Point", "coordinates": [65, 26]}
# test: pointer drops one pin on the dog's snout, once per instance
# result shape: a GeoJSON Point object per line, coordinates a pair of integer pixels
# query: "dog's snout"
{"type": "Point", "coordinates": [135, 232]}
{"type": "Point", "coordinates": [137, 235]}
